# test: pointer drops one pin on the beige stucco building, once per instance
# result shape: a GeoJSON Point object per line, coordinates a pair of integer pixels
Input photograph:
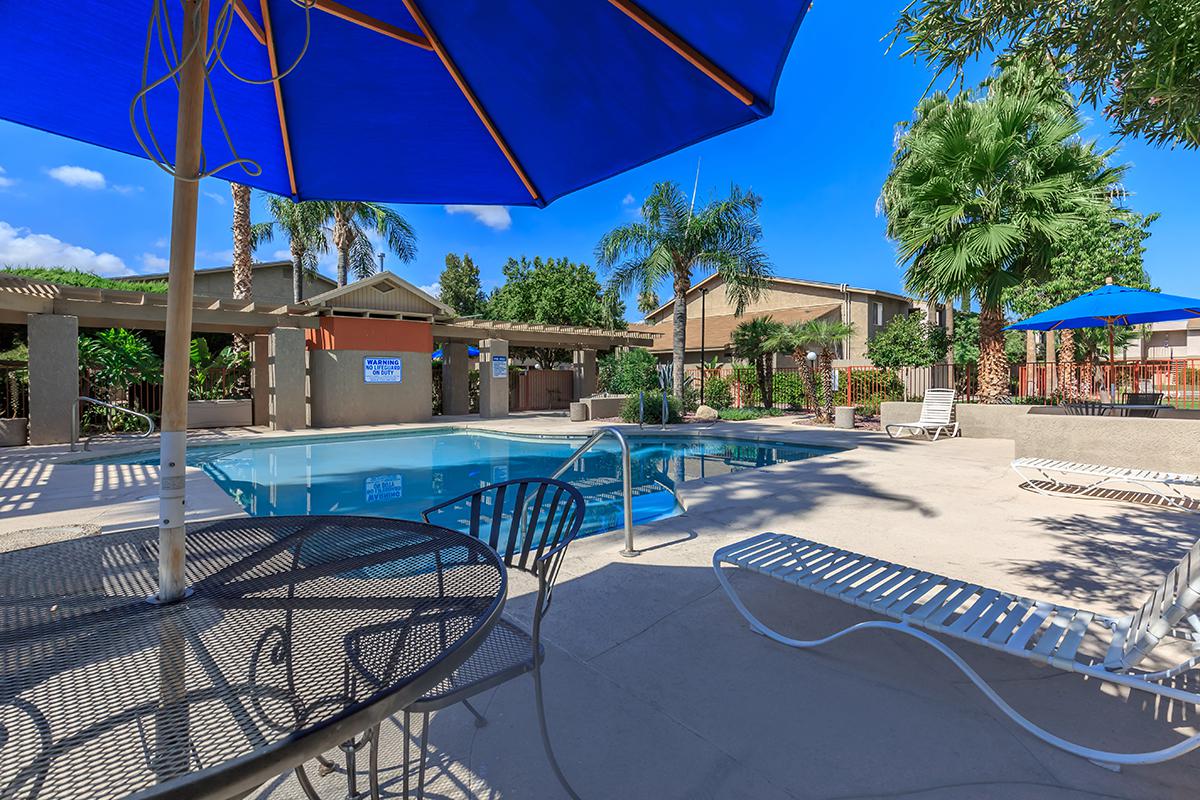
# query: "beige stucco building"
{"type": "Point", "coordinates": [272, 282]}
{"type": "Point", "coordinates": [786, 300]}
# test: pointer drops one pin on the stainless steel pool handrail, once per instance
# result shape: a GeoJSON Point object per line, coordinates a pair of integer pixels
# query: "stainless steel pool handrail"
{"type": "Point", "coordinates": [626, 477]}
{"type": "Point", "coordinates": [87, 443]}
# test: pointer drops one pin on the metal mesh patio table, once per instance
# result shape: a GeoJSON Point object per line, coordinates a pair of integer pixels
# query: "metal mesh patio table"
{"type": "Point", "coordinates": [300, 633]}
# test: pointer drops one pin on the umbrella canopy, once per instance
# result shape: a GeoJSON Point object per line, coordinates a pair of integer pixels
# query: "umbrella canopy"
{"type": "Point", "coordinates": [510, 102]}
{"type": "Point", "coordinates": [507, 102]}
{"type": "Point", "coordinates": [1112, 305]}
{"type": "Point", "coordinates": [472, 352]}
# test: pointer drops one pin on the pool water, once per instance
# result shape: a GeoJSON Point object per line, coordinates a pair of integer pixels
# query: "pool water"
{"type": "Point", "coordinates": [399, 475]}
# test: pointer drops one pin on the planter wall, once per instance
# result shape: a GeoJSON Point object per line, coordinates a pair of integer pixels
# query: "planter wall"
{"type": "Point", "coordinates": [604, 406]}
{"type": "Point", "coordinates": [14, 432]}
{"type": "Point", "coordinates": [220, 413]}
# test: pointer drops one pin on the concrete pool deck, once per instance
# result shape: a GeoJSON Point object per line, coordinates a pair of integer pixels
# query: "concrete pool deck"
{"type": "Point", "coordinates": [656, 688]}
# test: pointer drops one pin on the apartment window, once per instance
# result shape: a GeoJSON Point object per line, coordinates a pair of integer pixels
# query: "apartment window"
{"type": "Point", "coordinates": [878, 313]}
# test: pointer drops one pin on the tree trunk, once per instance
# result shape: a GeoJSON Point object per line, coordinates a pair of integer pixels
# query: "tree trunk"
{"type": "Point", "coordinates": [1068, 380]}
{"type": "Point", "coordinates": [993, 364]}
{"type": "Point", "coordinates": [1030, 360]}
{"type": "Point", "coordinates": [760, 373]}
{"type": "Point", "coordinates": [825, 368]}
{"type": "Point", "coordinates": [679, 332]}
{"type": "Point", "coordinates": [768, 389]}
{"type": "Point", "coordinates": [800, 356]}
{"type": "Point", "coordinates": [297, 273]}
{"type": "Point", "coordinates": [243, 275]}
{"type": "Point", "coordinates": [342, 240]}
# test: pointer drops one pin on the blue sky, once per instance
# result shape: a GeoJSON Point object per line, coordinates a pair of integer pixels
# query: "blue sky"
{"type": "Point", "coordinates": [818, 163]}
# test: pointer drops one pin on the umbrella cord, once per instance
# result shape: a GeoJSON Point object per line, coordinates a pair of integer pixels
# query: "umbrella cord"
{"type": "Point", "coordinates": [159, 30]}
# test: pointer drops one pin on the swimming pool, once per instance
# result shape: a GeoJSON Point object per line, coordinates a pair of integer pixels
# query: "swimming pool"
{"type": "Point", "coordinates": [400, 474]}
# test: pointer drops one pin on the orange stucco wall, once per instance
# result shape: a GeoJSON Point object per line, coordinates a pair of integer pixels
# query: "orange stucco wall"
{"type": "Point", "coordinates": [357, 333]}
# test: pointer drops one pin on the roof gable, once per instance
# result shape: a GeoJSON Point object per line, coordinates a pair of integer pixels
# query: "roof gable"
{"type": "Point", "coordinates": [383, 291]}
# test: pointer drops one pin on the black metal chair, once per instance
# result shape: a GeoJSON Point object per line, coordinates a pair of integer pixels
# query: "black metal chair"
{"type": "Point", "coordinates": [529, 523]}
{"type": "Point", "coordinates": [1085, 408]}
{"type": "Point", "coordinates": [1141, 399]}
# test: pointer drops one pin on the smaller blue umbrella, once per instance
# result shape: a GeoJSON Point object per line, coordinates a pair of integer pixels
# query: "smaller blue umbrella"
{"type": "Point", "coordinates": [472, 352]}
{"type": "Point", "coordinates": [1112, 305]}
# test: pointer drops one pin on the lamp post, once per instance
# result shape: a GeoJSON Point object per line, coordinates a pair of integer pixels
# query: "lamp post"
{"type": "Point", "coordinates": [703, 296]}
{"type": "Point", "coordinates": [811, 358]}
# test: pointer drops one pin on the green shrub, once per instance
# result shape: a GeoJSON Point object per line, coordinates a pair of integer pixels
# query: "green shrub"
{"type": "Point", "coordinates": [630, 372]}
{"type": "Point", "coordinates": [743, 414]}
{"type": "Point", "coordinates": [74, 277]}
{"type": "Point", "coordinates": [717, 393]}
{"type": "Point", "coordinates": [630, 410]}
{"type": "Point", "coordinates": [788, 390]}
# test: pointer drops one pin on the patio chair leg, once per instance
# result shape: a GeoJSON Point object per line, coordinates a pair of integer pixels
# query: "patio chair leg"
{"type": "Point", "coordinates": [541, 711]}
{"type": "Point", "coordinates": [421, 755]}
{"type": "Point", "coordinates": [480, 719]}
{"type": "Point", "coordinates": [407, 761]}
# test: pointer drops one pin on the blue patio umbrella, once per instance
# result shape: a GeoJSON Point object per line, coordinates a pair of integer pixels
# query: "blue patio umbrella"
{"type": "Point", "coordinates": [1112, 305]}
{"type": "Point", "coordinates": [510, 102]}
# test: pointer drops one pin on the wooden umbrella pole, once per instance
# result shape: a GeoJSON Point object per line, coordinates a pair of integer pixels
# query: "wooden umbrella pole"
{"type": "Point", "coordinates": [176, 358]}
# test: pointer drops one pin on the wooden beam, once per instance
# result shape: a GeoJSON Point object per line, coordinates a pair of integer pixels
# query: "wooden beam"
{"type": "Point", "coordinates": [465, 88]}
{"type": "Point", "coordinates": [370, 23]}
{"type": "Point", "coordinates": [283, 129]}
{"type": "Point", "coordinates": [250, 22]}
{"type": "Point", "coordinates": [689, 53]}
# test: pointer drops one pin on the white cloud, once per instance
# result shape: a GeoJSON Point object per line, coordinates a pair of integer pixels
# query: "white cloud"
{"type": "Point", "coordinates": [161, 242]}
{"type": "Point", "coordinates": [628, 200]}
{"type": "Point", "coordinates": [214, 258]}
{"type": "Point", "coordinates": [121, 188]}
{"type": "Point", "coordinates": [282, 255]}
{"type": "Point", "coordinates": [20, 247]}
{"type": "Point", "coordinates": [153, 262]}
{"type": "Point", "coordinates": [216, 198]}
{"type": "Point", "coordinates": [80, 177]}
{"type": "Point", "coordinates": [495, 217]}
{"type": "Point", "coordinates": [434, 289]}
{"type": "Point", "coordinates": [5, 182]}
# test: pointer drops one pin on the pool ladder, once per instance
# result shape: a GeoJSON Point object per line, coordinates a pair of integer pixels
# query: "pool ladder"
{"type": "Point", "coordinates": [87, 443]}
{"type": "Point", "coordinates": [626, 477]}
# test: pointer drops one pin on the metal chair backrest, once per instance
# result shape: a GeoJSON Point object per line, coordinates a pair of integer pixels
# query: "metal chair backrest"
{"type": "Point", "coordinates": [938, 406]}
{"type": "Point", "coordinates": [1171, 603]}
{"type": "Point", "coordinates": [529, 522]}
{"type": "Point", "coordinates": [1141, 399]}
{"type": "Point", "coordinates": [1086, 408]}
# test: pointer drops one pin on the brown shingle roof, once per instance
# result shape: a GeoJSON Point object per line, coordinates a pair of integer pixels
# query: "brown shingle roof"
{"type": "Point", "coordinates": [718, 328]}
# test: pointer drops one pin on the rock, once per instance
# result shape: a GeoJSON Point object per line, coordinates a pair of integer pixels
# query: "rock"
{"type": "Point", "coordinates": [706, 414]}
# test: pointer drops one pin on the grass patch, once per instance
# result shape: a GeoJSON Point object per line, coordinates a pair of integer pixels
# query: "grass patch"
{"type": "Point", "coordinates": [743, 414]}
{"type": "Point", "coordinates": [74, 277]}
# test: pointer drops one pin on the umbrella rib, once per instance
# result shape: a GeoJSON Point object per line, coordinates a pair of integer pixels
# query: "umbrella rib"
{"type": "Point", "coordinates": [283, 128]}
{"type": "Point", "coordinates": [250, 22]}
{"type": "Point", "coordinates": [465, 88]}
{"type": "Point", "coordinates": [371, 23]}
{"type": "Point", "coordinates": [685, 50]}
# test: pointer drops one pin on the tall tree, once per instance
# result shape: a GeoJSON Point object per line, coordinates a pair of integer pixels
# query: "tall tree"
{"type": "Point", "coordinates": [984, 190]}
{"type": "Point", "coordinates": [756, 340]}
{"type": "Point", "coordinates": [243, 254]}
{"type": "Point", "coordinates": [301, 223]}
{"type": "Point", "coordinates": [647, 301]}
{"type": "Point", "coordinates": [823, 337]}
{"type": "Point", "coordinates": [352, 224]}
{"type": "Point", "coordinates": [1138, 62]}
{"type": "Point", "coordinates": [459, 285]}
{"type": "Point", "coordinates": [552, 291]}
{"type": "Point", "coordinates": [671, 242]}
{"type": "Point", "coordinates": [1105, 245]}
{"type": "Point", "coordinates": [908, 340]}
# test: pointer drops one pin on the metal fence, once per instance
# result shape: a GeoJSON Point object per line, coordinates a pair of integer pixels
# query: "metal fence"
{"type": "Point", "coordinates": [14, 389]}
{"type": "Point", "coordinates": [1177, 380]}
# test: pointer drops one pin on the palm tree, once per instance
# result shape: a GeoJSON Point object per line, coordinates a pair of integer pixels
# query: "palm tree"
{"type": "Point", "coordinates": [756, 340]}
{"type": "Point", "coordinates": [301, 223]}
{"type": "Point", "coordinates": [822, 336]}
{"type": "Point", "coordinates": [671, 242]}
{"type": "Point", "coordinates": [353, 222]}
{"type": "Point", "coordinates": [983, 191]}
{"type": "Point", "coordinates": [243, 251]}
{"type": "Point", "coordinates": [647, 302]}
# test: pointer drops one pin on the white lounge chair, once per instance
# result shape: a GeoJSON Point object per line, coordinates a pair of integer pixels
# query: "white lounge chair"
{"type": "Point", "coordinates": [1164, 484]}
{"type": "Point", "coordinates": [923, 602]}
{"type": "Point", "coordinates": [937, 416]}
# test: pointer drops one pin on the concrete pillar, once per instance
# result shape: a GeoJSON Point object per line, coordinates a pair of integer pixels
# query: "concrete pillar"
{"type": "Point", "coordinates": [456, 369]}
{"type": "Point", "coordinates": [584, 365]}
{"type": "Point", "coordinates": [288, 380]}
{"type": "Point", "coordinates": [260, 378]}
{"type": "Point", "coordinates": [493, 378]}
{"type": "Point", "coordinates": [53, 377]}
